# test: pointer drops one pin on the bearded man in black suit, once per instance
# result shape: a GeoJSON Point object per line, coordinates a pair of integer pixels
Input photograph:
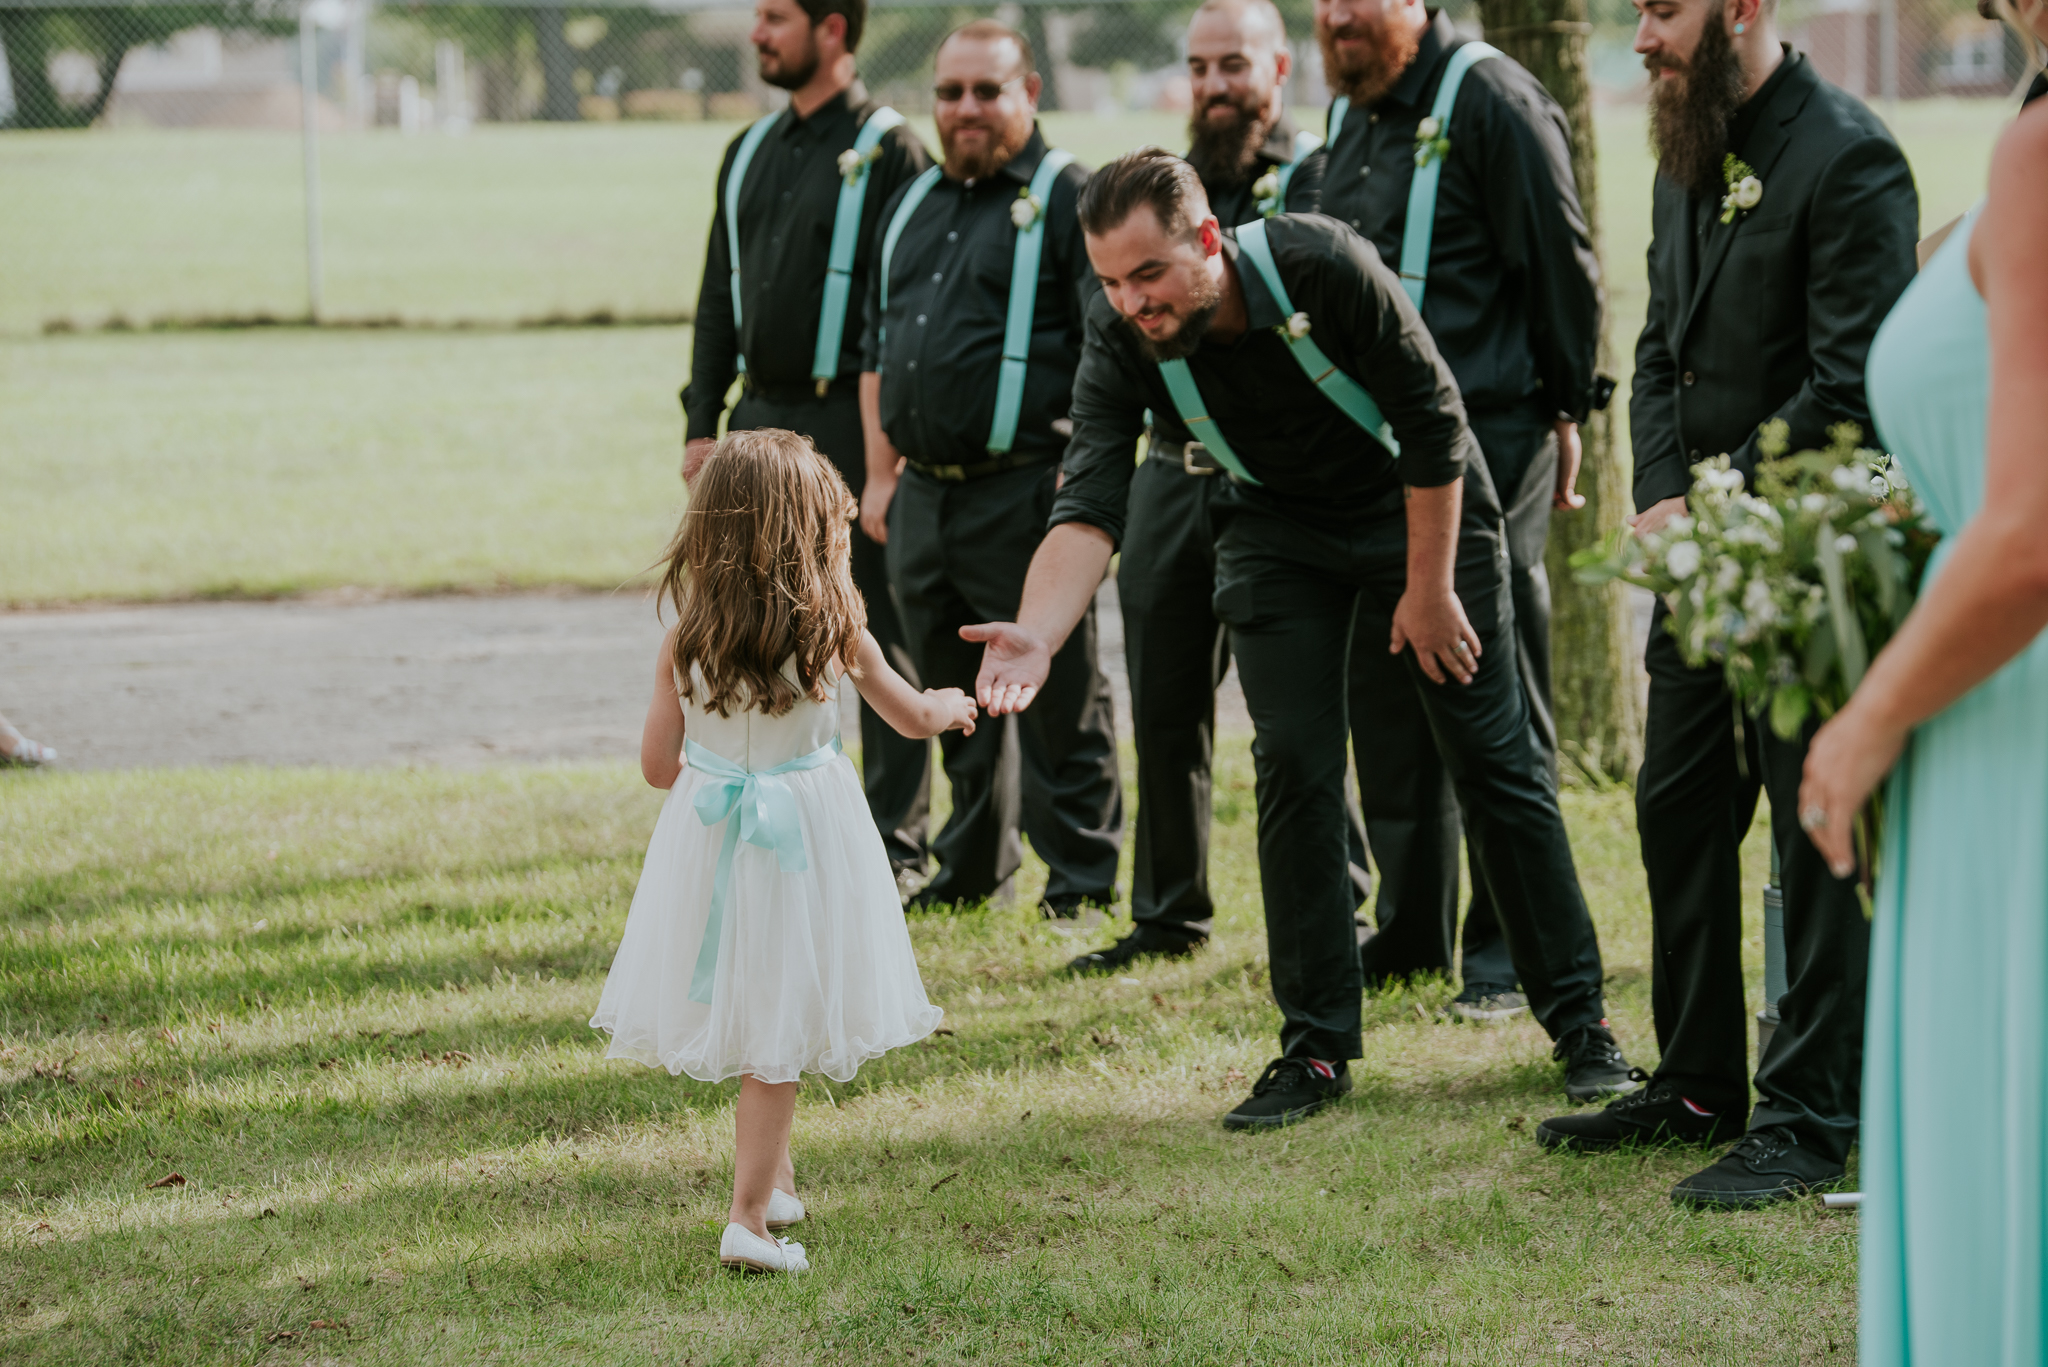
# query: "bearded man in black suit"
{"type": "Point", "coordinates": [1784, 221]}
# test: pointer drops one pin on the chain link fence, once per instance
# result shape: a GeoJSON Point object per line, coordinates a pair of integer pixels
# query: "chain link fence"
{"type": "Point", "coordinates": [492, 163]}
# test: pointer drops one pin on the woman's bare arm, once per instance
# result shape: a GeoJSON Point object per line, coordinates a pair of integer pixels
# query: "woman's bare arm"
{"type": "Point", "coordinates": [1991, 599]}
{"type": "Point", "coordinates": [661, 739]}
{"type": "Point", "coordinates": [913, 713]}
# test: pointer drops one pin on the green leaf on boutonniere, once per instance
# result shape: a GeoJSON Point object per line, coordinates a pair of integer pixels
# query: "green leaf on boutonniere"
{"type": "Point", "coordinates": [1745, 191]}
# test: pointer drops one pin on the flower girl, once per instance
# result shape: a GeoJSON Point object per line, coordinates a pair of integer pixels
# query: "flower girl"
{"type": "Point", "coordinates": [766, 938]}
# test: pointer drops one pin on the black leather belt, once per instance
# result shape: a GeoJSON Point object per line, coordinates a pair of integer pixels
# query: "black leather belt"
{"type": "Point", "coordinates": [787, 393]}
{"type": "Point", "coordinates": [960, 474]}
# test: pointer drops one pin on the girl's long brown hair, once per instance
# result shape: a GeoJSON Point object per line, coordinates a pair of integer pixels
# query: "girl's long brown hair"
{"type": "Point", "coordinates": [759, 571]}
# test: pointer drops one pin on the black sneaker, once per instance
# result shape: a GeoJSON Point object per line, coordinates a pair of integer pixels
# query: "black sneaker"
{"type": "Point", "coordinates": [1657, 1114]}
{"type": "Point", "coordinates": [1489, 1002]}
{"type": "Point", "coordinates": [1593, 1065]}
{"type": "Point", "coordinates": [1290, 1090]}
{"type": "Point", "coordinates": [1129, 950]}
{"type": "Point", "coordinates": [1076, 906]}
{"type": "Point", "coordinates": [1766, 1166]}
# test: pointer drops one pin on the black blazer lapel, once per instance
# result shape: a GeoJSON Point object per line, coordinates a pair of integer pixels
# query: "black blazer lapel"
{"type": "Point", "coordinates": [1766, 144]}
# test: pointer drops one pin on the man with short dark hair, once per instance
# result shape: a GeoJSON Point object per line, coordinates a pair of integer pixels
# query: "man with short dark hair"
{"type": "Point", "coordinates": [1483, 216]}
{"type": "Point", "coordinates": [1290, 358]}
{"type": "Point", "coordinates": [1784, 220]}
{"type": "Point", "coordinates": [800, 194]}
{"type": "Point", "coordinates": [973, 327]}
{"type": "Point", "coordinates": [1253, 162]}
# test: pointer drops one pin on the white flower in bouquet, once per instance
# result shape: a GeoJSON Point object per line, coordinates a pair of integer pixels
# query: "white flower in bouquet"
{"type": "Point", "coordinates": [1683, 559]}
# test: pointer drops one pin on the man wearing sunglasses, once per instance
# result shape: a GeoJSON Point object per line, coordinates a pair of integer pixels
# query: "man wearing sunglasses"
{"type": "Point", "coordinates": [974, 321]}
{"type": "Point", "coordinates": [799, 196]}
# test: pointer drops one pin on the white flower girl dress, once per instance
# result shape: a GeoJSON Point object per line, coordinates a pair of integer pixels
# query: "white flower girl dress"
{"type": "Point", "coordinates": [766, 936]}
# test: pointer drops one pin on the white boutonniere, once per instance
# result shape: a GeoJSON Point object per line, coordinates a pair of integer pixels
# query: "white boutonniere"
{"type": "Point", "coordinates": [1430, 142]}
{"type": "Point", "coordinates": [1745, 191]}
{"type": "Point", "coordinates": [1296, 327]}
{"type": "Point", "coordinates": [853, 163]}
{"type": "Point", "coordinates": [1025, 209]}
{"type": "Point", "coordinates": [1266, 193]}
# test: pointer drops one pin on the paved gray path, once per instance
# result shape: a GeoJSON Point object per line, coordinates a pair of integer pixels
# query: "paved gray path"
{"type": "Point", "coordinates": [457, 681]}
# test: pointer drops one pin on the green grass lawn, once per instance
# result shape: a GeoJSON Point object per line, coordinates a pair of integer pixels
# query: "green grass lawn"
{"type": "Point", "coordinates": [170, 465]}
{"type": "Point", "coordinates": [348, 1008]}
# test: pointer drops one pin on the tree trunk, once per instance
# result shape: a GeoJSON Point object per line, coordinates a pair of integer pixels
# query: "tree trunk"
{"type": "Point", "coordinates": [558, 102]}
{"type": "Point", "coordinates": [1594, 666]}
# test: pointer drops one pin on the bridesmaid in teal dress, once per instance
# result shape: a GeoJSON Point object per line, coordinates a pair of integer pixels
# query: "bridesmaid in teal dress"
{"type": "Point", "coordinates": [1955, 1090]}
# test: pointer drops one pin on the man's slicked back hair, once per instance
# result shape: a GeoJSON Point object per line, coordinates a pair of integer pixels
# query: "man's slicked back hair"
{"type": "Point", "coordinates": [1152, 177]}
{"type": "Point", "coordinates": [856, 12]}
{"type": "Point", "coordinates": [989, 31]}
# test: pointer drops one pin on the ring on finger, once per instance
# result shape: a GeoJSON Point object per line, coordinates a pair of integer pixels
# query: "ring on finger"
{"type": "Point", "coordinates": [1813, 819]}
{"type": "Point", "coordinates": [1462, 648]}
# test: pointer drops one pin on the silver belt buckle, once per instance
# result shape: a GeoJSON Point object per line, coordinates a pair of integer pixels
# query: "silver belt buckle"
{"type": "Point", "coordinates": [1187, 459]}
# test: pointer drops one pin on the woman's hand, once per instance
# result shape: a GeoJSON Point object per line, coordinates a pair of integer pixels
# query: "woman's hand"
{"type": "Point", "coordinates": [955, 708]}
{"type": "Point", "coordinates": [1849, 757]}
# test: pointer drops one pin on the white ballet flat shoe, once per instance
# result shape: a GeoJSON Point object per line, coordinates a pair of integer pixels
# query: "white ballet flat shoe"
{"type": "Point", "coordinates": [741, 1247]}
{"type": "Point", "coordinates": [784, 1210]}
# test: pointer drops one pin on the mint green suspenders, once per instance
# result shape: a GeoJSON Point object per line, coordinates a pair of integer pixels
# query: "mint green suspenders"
{"type": "Point", "coordinates": [1421, 227]}
{"type": "Point", "coordinates": [845, 237]}
{"type": "Point", "coordinates": [1337, 387]}
{"type": "Point", "coordinates": [1305, 144]}
{"type": "Point", "coordinates": [1023, 289]}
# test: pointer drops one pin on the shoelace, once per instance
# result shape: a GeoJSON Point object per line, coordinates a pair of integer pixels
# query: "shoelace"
{"type": "Point", "coordinates": [1644, 1095]}
{"type": "Point", "coordinates": [1760, 1146]}
{"type": "Point", "coordinates": [1283, 1072]}
{"type": "Point", "coordinates": [1587, 1044]}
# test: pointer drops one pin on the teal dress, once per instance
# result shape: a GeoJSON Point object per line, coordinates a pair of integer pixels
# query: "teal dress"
{"type": "Point", "coordinates": [1955, 1083]}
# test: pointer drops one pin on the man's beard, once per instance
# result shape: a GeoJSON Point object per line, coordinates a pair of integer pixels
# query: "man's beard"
{"type": "Point", "coordinates": [1194, 326]}
{"type": "Point", "coordinates": [790, 76]}
{"type": "Point", "coordinates": [1369, 74]}
{"type": "Point", "coordinates": [1689, 113]}
{"type": "Point", "coordinates": [980, 165]}
{"type": "Point", "coordinates": [1223, 154]}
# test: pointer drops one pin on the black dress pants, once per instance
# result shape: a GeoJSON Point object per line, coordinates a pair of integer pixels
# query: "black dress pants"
{"type": "Point", "coordinates": [1290, 595]}
{"type": "Point", "coordinates": [895, 770]}
{"type": "Point", "coordinates": [1177, 653]}
{"type": "Point", "coordinates": [958, 553]}
{"type": "Point", "coordinates": [1411, 811]}
{"type": "Point", "coordinates": [1695, 799]}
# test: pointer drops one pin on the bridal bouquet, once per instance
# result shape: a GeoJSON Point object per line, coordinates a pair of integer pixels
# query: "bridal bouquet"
{"type": "Point", "coordinates": [1790, 587]}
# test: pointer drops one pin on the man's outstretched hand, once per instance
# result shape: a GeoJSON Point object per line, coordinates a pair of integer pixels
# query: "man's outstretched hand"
{"type": "Point", "coordinates": [1013, 666]}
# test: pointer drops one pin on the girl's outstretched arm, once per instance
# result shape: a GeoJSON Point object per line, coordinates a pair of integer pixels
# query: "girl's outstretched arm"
{"type": "Point", "coordinates": [661, 739]}
{"type": "Point", "coordinates": [915, 714]}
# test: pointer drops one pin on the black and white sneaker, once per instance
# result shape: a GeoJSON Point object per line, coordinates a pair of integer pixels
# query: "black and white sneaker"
{"type": "Point", "coordinates": [1593, 1065]}
{"type": "Point", "coordinates": [1656, 1114]}
{"type": "Point", "coordinates": [1489, 1002]}
{"type": "Point", "coordinates": [1765, 1166]}
{"type": "Point", "coordinates": [1289, 1091]}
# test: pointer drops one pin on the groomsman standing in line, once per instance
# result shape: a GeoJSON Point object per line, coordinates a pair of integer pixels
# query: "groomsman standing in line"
{"type": "Point", "coordinates": [1265, 345]}
{"type": "Point", "coordinates": [799, 195]}
{"type": "Point", "coordinates": [973, 330]}
{"type": "Point", "coordinates": [1763, 303]}
{"type": "Point", "coordinates": [1253, 163]}
{"type": "Point", "coordinates": [1492, 246]}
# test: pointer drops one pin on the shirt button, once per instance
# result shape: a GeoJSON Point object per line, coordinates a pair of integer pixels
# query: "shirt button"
{"type": "Point", "coordinates": [913, 365]}
{"type": "Point", "coordinates": [785, 194]}
{"type": "Point", "coordinates": [1372, 118]}
{"type": "Point", "coordinates": [952, 237]}
{"type": "Point", "coordinates": [913, 412]}
{"type": "Point", "coordinates": [920, 320]}
{"type": "Point", "coordinates": [1688, 377]}
{"type": "Point", "coordinates": [937, 276]}
{"type": "Point", "coordinates": [1695, 453]}
{"type": "Point", "coordinates": [1354, 226]}
{"type": "Point", "coordinates": [1363, 172]}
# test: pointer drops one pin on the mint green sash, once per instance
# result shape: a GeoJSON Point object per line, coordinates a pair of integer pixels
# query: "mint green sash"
{"type": "Point", "coordinates": [1338, 387]}
{"type": "Point", "coordinates": [1421, 224]}
{"type": "Point", "coordinates": [1023, 303]}
{"type": "Point", "coordinates": [766, 817]}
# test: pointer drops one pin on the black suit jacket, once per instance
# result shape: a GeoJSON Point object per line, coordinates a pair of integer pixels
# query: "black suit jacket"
{"type": "Point", "coordinates": [1771, 316]}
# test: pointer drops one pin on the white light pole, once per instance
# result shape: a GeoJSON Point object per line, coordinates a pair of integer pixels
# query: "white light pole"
{"type": "Point", "coordinates": [313, 16]}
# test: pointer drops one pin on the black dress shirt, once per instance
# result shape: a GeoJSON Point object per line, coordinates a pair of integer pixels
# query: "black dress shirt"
{"type": "Point", "coordinates": [949, 297]}
{"type": "Point", "coordinates": [1771, 315]}
{"type": "Point", "coordinates": [787, 206]}
{"type": "Point", "coordinates": [1235, 204]}
{"type": "Point", "coordinates": [1314, 463]}
{"type": "Point", "coordinates": [1514, 289]}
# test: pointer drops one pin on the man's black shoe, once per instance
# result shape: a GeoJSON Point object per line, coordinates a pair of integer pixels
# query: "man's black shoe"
{"type": "Point", "coordinates": [1657, 1114]}
{"type": "Point", "coordinates": [1073, 906]}
{"type": "Point", "coordinates": [1129, 950]}
{"type": "Point", "coordinates": [1766, 1166]}
{"type": "Point", "coordinates": [1593, 1065]}
{"type": "Point", "coordinates": [1290, 1090]}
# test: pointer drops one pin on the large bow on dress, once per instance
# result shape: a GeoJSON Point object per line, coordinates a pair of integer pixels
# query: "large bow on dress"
{"type": "Point", "coordinates": [766, 817]}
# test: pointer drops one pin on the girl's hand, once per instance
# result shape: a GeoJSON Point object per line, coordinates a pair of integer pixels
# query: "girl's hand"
{"type": "Point", "coordinates": [956, 707]}
{"type": "Point", "coordinates": [1844, 765]}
